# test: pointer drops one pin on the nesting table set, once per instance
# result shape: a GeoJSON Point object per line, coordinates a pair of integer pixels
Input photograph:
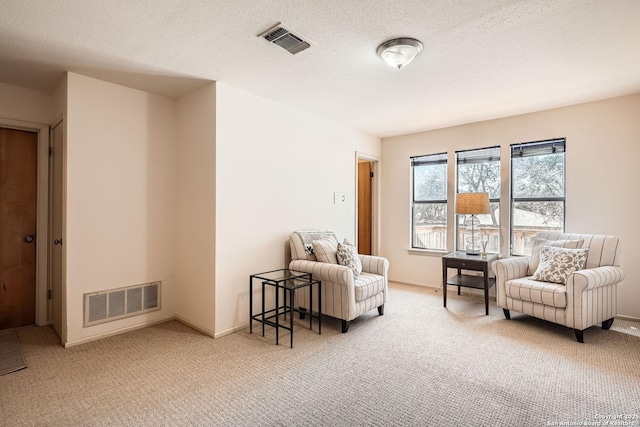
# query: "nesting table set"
{"type": "Point", "coordinates": [285, 282]}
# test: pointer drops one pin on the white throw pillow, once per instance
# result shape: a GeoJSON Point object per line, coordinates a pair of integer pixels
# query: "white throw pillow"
{"type": "Point", "coordinates": [348, 256]}
{"type": "Point", "coordinates": [556, 264]}
{"type": "Point", "coordinates": [325, 250]}
{"type": "Point", "coordinates": [537, 244]}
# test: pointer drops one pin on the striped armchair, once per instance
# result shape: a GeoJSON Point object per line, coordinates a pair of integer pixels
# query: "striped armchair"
{"type": "Point", "coordinates": [343, 296]}
{"type": "Point", "coordinates": [588, 296]}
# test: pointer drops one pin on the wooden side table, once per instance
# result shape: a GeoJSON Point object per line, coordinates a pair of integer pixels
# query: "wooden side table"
{"type": "Point", "coordinates": [461, 261]}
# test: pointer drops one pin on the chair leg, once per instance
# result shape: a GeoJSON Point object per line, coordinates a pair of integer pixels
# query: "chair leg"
{"type": "Point", "coordinates": [579, 335]}
{"type": "Point", "coordinates": [345, 326]}
{"type": "Point", "coordinates": [607, 324]}
{"type": "Point", "coordinates": [506, 313]}
{"type": "Point", "coordinates": [381, 310]}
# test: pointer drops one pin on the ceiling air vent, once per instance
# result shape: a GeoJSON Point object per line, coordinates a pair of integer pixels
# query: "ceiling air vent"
{"type": "Point", "coordinates": [285, 39]}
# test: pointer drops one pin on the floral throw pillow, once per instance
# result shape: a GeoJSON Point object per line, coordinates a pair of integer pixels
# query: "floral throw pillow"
{"type": "Point", "coordinates": [537, 244]}
{"type": "Point", "coordinates": [348, 256]}
{"type": "Point", "coordinates": [556, 264]}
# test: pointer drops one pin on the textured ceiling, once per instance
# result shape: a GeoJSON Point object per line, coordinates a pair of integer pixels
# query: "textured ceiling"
{"type": "Point", "coordinates": [483, 59]}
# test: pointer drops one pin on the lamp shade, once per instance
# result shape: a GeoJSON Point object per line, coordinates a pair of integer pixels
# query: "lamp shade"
{"type": "Point", "coordinates": [472, 203]}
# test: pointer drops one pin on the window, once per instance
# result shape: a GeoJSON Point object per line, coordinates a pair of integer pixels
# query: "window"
{"type": "Point", "coordinates": [429, 202]}
{"type": "Point", "coordinates": [479, 171]}
{"type": "Point", "coordinates": [537, 191]}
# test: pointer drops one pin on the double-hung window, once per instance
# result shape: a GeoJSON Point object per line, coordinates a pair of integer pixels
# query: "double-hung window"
{"type": "Point", "coordinates": [478, 171]}
{"type": "Point", "coordinates": [429, 202]}
{"type": "Point", "coordinates": [537, 191]}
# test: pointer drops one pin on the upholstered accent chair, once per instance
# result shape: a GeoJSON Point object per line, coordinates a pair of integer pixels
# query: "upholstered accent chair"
{"type": "Point", "coordinates": [345, 294]}
{"type": "Point", "coordinates": [587, 296]}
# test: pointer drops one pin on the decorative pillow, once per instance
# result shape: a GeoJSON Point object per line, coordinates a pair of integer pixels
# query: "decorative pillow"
{"type": "Point", "coordinates": [346, 242]}
{"type": "Point", "coordinates": [537, 243]}
{"type": "Point", "coordinates": [348, 256]}
{"type": "Point", "coordinates": [325, 250]}
{"type": "Point", "coordinates": [556, 264]}
{"type": "Point", "coordinates": [303, 241]}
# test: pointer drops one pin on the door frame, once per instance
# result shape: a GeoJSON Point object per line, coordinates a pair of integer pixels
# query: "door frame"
{"type": "Point", "coordinates": [42, 213]}
{"type": "Point", "coordinates": [375, 198]}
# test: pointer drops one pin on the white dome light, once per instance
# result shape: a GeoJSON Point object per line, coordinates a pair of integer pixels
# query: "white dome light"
{"type": "Point", "coordinates": [399, 52]}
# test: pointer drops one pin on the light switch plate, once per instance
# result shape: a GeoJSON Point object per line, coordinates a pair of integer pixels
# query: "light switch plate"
{"type": "Point", "coordinates": [339, 198]}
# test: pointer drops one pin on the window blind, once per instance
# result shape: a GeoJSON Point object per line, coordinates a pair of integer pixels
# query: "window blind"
{"type": "Point", "coordinates": [482, 155]}
{"type": "Point", "coordinates": [431, 159]}
{"type": "Point", "coordinates": [538, 148]}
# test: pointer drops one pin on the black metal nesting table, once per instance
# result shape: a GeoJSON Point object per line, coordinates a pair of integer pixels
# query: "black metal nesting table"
{"type": "Point", "coordinates": [287, 281]}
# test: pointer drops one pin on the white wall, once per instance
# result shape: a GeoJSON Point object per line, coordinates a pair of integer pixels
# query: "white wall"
{"type": "Point", "coordinates": [603, 148]}
{"type": "Point", "coordinates": [276, 171]}
{"type": "Point", "coordinates": [120, 197]}
{"type": "Point", "coordinates": [200, 193]}
{"type": "Point", "coordinates": [59, 101]}
{"type": "Point", "coordinates": [196, 209]}
{"type": "Point", "coordinates": [28, 105]}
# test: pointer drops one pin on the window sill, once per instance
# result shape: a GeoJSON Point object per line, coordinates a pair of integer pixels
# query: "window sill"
{"type": "Point", "coordinates": [426, 252]}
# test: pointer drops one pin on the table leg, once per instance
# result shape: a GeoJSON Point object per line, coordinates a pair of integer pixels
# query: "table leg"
{"type": "Point", "coordinates": [459, 273]}
{"type": "Point", "coordinates": [292, 300]}
{"type": "Point", "coordinates": [284, 301]}
{"type": "Point", "coordinates": [444, 282]}
{"type": "Point", "coordinates": [310, 306]}
{"type": "Point", "coordinates": [486, 290]}
{"type": "Point", "coordinates": [277, 313]}
{"type": "Point", "coordinates": [262, 308]}
{"type": "Point", "coordinates": [250, 304]}
{"type": "Point", "coordinates": [319, 306]}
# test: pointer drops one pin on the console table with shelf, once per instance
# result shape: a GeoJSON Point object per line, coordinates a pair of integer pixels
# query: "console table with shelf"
{"type": "Point", "coordinates": [460, 260]}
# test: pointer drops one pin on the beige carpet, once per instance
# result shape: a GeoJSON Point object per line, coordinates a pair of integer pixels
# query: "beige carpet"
{"type": "Point", "coordinates": [418, 365]}
{"type": "Point", "coordinates": [11, 358]}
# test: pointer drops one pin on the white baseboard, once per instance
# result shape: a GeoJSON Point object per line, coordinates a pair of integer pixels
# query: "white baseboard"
{"type": "Point", "coordinates": [463, 290]}
{"type": "Point", "coordinates": [118, 331]}
{"type": "Point", "coordinates": [623, 317]}
{"type": "Point", "coordinates": [230, 331]}
{"type": "Point", "coordinates": [422, 285]}
{"type": "Point", "coordinates": [214, 335]}
{"type": "Point", "coordinates": [198, 328]}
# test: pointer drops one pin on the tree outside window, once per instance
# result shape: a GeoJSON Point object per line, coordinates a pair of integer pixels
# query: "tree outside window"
{"type": "Point", "coordinates": [478, 171]}
{"type": "Point", "coordinates": [429, 204]}
{"type": "Point", "coordinates": [537, 191]}
{"type": "Point", "coordinates": [537, 200]}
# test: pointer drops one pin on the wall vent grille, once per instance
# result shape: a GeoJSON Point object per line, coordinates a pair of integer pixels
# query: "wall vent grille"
{"type": "Point", "coordinates": [114, 304]}
{"type": "Point", "coordinates": [286, 39]}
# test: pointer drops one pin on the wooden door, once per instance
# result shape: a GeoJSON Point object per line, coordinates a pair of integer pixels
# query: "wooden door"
{"type": "Point", "coordinates": [18, 196]}
{"type": "Point", "coordinates": [55, 215]}
{"type": "Point", "coordinates": [364, 208]}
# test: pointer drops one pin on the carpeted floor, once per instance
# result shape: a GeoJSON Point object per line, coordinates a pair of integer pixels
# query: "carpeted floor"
{"type": "Point", "coordinates": [11, 358]}
{"type": "Point", "coordinates": [418, 365]}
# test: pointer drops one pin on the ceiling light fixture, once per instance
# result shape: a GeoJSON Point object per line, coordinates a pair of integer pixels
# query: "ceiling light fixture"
{"type": "Point", "coordinates": [399, 52]}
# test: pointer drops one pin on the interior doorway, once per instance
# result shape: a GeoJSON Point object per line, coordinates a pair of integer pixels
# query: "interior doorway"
{"type": "Point", "coordinates": [367, 203]}
{"type": "Point", "coordinates": [18, 207]}
{"type": "Point", "coordinates": [365, 175]}
{"type": "Point", "coordinates": [56, 176]}
{"type": "Point", "coordinates": [38, 235]}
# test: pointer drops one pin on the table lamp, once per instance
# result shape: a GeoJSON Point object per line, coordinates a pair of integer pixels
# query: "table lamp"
{"type": "Point", "coordinates": [472, 204]}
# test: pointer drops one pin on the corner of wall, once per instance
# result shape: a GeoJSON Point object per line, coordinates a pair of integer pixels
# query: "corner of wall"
{"type": "Point", "coordinates": [196, 208]}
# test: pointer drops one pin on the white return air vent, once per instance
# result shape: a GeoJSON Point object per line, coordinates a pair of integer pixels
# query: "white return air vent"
{"type": "Point", "coordinates": [114, 304]}
{"type": "Point", "coordinates": [286, 39]}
